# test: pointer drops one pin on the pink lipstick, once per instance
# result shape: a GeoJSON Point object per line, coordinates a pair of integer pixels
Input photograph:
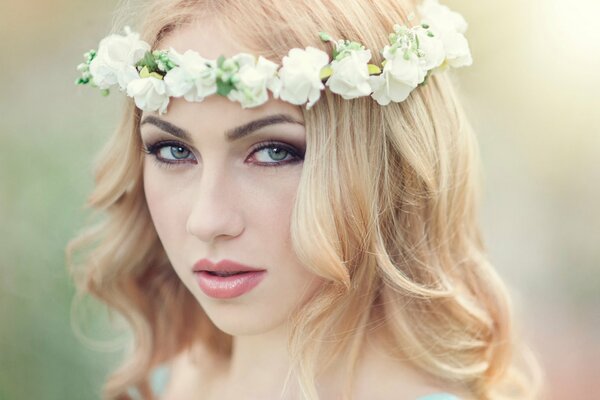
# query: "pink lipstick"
{"type": "Point", "coordinates": [226, 279]}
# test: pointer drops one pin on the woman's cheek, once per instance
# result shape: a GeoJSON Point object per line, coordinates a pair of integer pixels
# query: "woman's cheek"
{"type": "Point", "coordinates": [165, 214]}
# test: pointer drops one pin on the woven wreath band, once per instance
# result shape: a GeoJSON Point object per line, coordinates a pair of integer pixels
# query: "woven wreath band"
{"type": "Point", "coordinates": [151, 78]}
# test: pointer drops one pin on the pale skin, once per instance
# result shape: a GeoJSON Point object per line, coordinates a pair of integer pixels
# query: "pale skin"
{"type": "Point", "coordinates": [210, 197]}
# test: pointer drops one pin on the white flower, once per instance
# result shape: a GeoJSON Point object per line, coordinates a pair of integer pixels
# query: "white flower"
{"type": "Point", "coordinates": [386, 89]}
{"type": "Point", "coordinates": [457, 49]}
{"type": "Point", "coordinates": [253, 79]}
{"type": "Point", "coordinates": [450, 26]}
{"type": "Point", "coordinates": [194, 77]}
{"type": "Point", "coordinates": [442, 17]}
{"type": "Point", "coordinates": [432, 47]}
{"type": "Point", "coordinates": [301, 75]}
{"type": "Point", "coordinates": [350, 77]}
{"type": "Point", "coordinates": [115, 60]}
{"type": "Point", "coordinates": [150, 94]}
{"type": "Point", "coordinates": [412, 71]}
{"type": "Point", "coordinates": [399, 77]}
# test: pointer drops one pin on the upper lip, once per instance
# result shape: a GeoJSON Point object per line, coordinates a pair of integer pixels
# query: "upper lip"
{"type": "Point", "coordinates": [222, 266]}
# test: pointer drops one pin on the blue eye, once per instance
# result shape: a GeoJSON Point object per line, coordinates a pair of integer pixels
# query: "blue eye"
{"type": "Point", "coordinates": [170, 152]}
{"type": "Point", "coordinates": [176, 152]}
{"type": "Point", "coordinates": [273, 153]}
{"type": "Point", "coordinates": [279, 153]}
{"type": "Point", "coordinates": [269, 154]}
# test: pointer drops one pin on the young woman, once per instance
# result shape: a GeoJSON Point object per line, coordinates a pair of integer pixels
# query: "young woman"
{"type": "Point", "coordinates": [348, 227]}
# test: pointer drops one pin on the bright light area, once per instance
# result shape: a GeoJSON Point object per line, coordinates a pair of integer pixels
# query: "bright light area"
{"type": "Point", "coordinates": [569, 26]}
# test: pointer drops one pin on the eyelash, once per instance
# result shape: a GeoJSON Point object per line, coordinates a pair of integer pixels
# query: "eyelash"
{"type": "Point", "coordinates": [154, 149]}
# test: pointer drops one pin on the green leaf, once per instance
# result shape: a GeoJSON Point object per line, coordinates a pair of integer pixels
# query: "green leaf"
{"type": "Point", "coordinates": [220, 61]}
{"type": "Point", "coordinates": [223, 88]}
{"type": "Point", "coordinates": [325, 36]}
{"type": "Point", "coordinates": [144, 73]}
{"type": "Point", "coordinates": [326, 72]}
{"type": "Point", "coordinates": [373, 69]}
{"type": "Point", "coordinates": [150, 61]}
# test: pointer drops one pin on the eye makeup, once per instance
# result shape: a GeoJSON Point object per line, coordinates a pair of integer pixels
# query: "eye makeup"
{"type": "Point", "coordinates": [171, 153]}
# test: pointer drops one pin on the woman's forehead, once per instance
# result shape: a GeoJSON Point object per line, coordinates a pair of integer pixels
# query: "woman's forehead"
{"type": "Point", "coordinates": [206, 36]}
{"type": "Point", "coordinates": [219, 110]}
{"type": "Point", "coordinates": [216, 116]}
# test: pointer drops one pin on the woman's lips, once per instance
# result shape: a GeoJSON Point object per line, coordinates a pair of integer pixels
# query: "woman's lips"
{"type": "Point", "coordinates": [222, 266]}
{"type": "Point", "coordinates": [226, 287]}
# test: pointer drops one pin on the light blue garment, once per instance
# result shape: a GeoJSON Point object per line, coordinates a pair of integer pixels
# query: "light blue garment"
{"type": "Point", "coordinates": [160, 377]}
{"type": "Point", "coordinates": [158, 382]}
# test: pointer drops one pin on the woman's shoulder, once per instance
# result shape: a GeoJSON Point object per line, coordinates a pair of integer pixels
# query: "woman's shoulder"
{"type": "Point", "coordinates": [168, 381]}
{"type": "Point", "coordinates": [182, 375]}
{"type": "Point", "coordinates": [162, 378]}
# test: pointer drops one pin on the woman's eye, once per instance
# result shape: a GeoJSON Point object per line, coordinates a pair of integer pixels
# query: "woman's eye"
{"type": "Point", "coordinates": [174, 152]}
{"type": "Point", "coordinates": [170, 153]}
{"type": "Point", "coordinates": [271, 154]}
{"type": "Point", "coordinates": [274, 154]}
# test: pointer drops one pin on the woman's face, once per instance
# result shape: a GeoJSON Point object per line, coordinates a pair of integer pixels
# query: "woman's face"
{"type": "Point", "coordinates": [220, 198]}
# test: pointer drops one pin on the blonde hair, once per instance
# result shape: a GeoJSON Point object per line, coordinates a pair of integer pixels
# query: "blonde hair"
{"type": "Point", "coordinates": [386, 210]}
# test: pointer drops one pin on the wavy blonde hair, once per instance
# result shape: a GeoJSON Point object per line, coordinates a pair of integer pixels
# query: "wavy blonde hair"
{"type": "Point", "coordinates": [386, 210]}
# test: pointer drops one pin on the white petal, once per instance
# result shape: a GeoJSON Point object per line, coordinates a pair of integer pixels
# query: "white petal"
{"type": "Point", "coordinates": [178, 82]}
{"type": "Point", "coordinates": [378, 83]}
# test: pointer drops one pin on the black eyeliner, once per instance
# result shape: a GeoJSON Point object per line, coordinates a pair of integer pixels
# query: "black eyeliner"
{"type": "Point", "coordinates": [154, 148]}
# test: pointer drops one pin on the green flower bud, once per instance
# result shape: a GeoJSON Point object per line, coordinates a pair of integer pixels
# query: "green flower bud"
{"type": "Point", "coordinates": [325, 37]}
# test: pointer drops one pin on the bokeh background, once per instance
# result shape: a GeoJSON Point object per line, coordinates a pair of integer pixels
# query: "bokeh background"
{"type": "Point", "coordinates": [533, 96]}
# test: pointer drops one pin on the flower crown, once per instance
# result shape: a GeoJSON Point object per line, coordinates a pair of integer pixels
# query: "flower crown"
{"type": "Point", "coordinates": [152, 77]}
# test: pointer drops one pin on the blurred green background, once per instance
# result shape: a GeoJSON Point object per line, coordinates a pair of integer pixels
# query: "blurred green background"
{"type": "Point", "coordinates": [533, 96]}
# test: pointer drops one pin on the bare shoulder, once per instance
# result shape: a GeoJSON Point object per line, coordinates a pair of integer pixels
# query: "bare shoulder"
{"type": "Point", "coordinates": [394, 381]}
{"type": "Point", "coordinates": [190, 371]}
{"type": "Point", "coordinates": [381, 377]}
{"type": "Point", "coordinates": [400, 383]}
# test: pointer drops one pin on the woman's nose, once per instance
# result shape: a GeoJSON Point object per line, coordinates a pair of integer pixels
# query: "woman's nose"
{"type": "Point", "coordinates": [215, 210]}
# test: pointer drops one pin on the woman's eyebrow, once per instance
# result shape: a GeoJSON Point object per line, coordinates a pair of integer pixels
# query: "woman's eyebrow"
{"type": "Point", "coordinates": [232, 134]}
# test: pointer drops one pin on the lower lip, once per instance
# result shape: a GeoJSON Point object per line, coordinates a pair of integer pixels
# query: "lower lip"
{"type": "Point", "coordinates": [227, 287]}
